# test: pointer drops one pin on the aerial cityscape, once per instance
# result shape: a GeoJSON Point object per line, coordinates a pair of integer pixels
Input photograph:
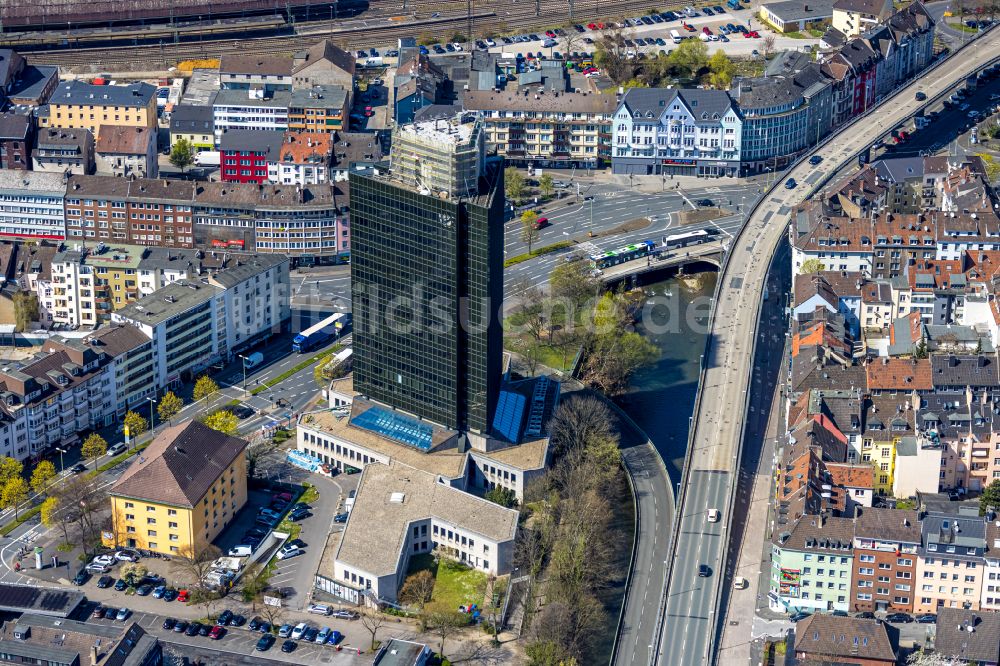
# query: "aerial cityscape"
{"type": "Point", "coordinates": [499, 332]}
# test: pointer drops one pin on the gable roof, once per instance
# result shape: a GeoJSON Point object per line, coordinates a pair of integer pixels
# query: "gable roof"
{"type": "Point", "coordinates": [898, 525]}
{"type": "Point", "coordinates": [258, 65]}
{"type": "Point", "coordinates": [845, 639]}
{"type": "Point", "coordinates": [121, 139]}
{"type": "Point", "coordinates": [899, 374]}
{"type": "Point", "coordinates": [326, 51]}
{"type": "Point", "coordinates": [180, 465]}
{"type": "Point", "coordinates": [954, 639]}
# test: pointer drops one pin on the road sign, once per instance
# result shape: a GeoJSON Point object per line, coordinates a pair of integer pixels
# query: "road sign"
{"type": "Point", "coordinates": [272, 601]}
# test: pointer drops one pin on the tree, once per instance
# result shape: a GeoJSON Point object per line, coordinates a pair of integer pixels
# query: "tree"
{"type": "Point", "coordinates": [502, 496]}
{"type": "Point", "coordinates": [93, 447]}
{"type": "Point", "coordinates": [82, 502]}
{"type": "Point", "coordinates": [721, 70]}
{"type": "Point", "coordinates": [9, 468]}
{"type": "Point", "coordinates": [611, 54]}
{"type": "Point", "coordinates": [529, 232]}
{"type": "Point", "coordinates": [136, 424]}
{"type": "Point", "coordinates": [49, 514]}
{"type": "Point", "coordinates": [204, 387]}
{"type": "Point", "coordinates": [688, 59]}
{"type": "Point", "coordinates": [255, 581]}
{"type": "Point", "coordinates": [547, 653]}
{"type": "Point", "coordinates": [25, 310]}
{"type": "Point", "coordinates": [613, 358]}
{"type": "Point", "coordinates": [223, 421]}
{"type": "Point", "coordinates": [546, 185]}
{"type": "Point", "coordinates": [444, 622]}
{"type": "Point", "coordinates": [182, 154]}
{"type": "Point", "coordinates": [42, 475]}
{"type": "Point", "coordinates": [767, 45]}
{"type": "Point", "coordinates": [492, 592]}
{"type": "Point", "coordinates": [255, 451]}
{"type": "Point", "coordinates": [529, 313]}
{"type": "Point", "coordinates": [921, 658]}
{"type": "Point", "coordinates": [513, 183]}
{"type": "Point", "coordinates": [990, 499]}
{"type": "Point", "coordinates": [196, 562]}
{"type": "Point", "coordinates": [133, 573]}
{"type": "Point", "coordinates": [810, 266]}
{"type": "Point", "coordinates": [372, 619]}
{"type": "Point", "coordinates": [14, 492]}
{"type": "Point", "coordinates": [169, 405]}
{"type": "Point", "coordinates": [572, 280]}
{"type": "Point", "coordinates": [417, 588]}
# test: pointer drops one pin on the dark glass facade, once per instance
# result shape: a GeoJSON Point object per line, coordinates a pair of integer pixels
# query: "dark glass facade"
{"type": "Point", "coordinates": [427, 280]}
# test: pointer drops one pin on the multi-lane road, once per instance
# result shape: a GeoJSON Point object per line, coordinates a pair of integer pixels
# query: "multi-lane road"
{"type": "Point", "coordinates": [689, 624]}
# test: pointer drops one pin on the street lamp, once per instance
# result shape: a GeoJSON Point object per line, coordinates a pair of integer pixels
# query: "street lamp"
{"type": "Point", "coordinates": [152, 415]}
{"type": "Point", "coordinates": [61, 452]}
{"type": "Point", "coordinates": [244, 373]}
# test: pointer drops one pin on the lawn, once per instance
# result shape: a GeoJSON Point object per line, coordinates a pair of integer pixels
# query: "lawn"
{"type": "Point", "coordinates": [454, 583]}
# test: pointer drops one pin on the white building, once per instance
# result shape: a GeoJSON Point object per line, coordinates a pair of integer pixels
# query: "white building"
{"type": "Point", "coordinates": [31, 205]}
{"type": "Point", "coordinates": [400, 511]}
{"type": "Point", "coordinates": [991, 574]}
{"type": "Point", "coordinates": [917, 468]}
{"type": "Point", "coordinates": [250, 110]}
{"type": "Point", "coordinates": [256, 299]}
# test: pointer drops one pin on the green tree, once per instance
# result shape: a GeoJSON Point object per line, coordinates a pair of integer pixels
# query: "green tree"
{"type": "Point", "coordinates": [513, 183]}
{"type": "Point", "coordinates": [721, 71]}
{"type": "Point", "coordinates": [25, 310]}
{"type": "Point", "coordinates": [223, 421]}
{"type": "Point", "coordinates": [573, 281]}
{"type": "Point", "coordinates": [182, 154]}
{"type": "Point", "coordinates": [49, 514]}
{"type": "Point", "coordinates": [42, 475]}
{"type": "Point", "coordinates": [93, 447]}
{"type": "Point", "coordinates": [169, 405]}
{"type": "Point", "coordinates": [133, 572]}
{"type": "Point", "coordinates": [546, 185]}
{"type": "Point", "coordinates": [136, 424]}
{"type": "Point", "coordinates": [9, 468]}
{"type": "Point", "coordinates": [547, 653]}
{"type": "Point", "coordinates": [990, 499]}
{"type": "Point", "coordinates": [204, 387]}
{"type": "Point", "coordinates": [614, 357]}
{"type": "Point", "coordinates": [417, 588]}
{"type": "Point", "coordinates": [810, 266]}
{"type": "Point", "coordinates": [689, 58]}
{"type": "Point", "coordinates": [14, 492]}
{"type": "Point", "coordinates": [529, 233]}
{"type": "Point", "coordinates": [505, 497]}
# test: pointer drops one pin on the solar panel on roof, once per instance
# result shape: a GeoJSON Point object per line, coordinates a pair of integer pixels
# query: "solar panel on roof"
{"type": "Point", "coordinates": [11, 595]}
{"type": "Point", "coordinates": [509, 414]}
{"type": "Point", "coordinates": [54, 601]}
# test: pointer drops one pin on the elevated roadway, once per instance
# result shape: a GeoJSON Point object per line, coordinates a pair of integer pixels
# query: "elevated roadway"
{"type": "Point", "coordinates": [688, 616]}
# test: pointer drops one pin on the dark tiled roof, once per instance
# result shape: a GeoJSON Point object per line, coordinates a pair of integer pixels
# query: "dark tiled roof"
{"type": "Point", "coordinates": [117, 339]}
{"type": "Point", "coordinates": [256, 65]}
{"type": "Point", "coordinates": [899, 525]}
{"type": "Point", "coordinates": [950, 370]}
{"type": "Point", "coordinates": [14, 126]}
{"type": "Point", "coordinates": [872, 7]}
{"type": "Point", "coordinates": [192, 118]}
{"type": "Point", "coordinates": [328, 51]}
{"type": "Point", "coordinates": [258, 141]}
{"type": "Point", "coordinates": [820, 534]}
{"type": "Point", "coordinates": [180, 465]}
{"type": "Point", "coordinates": [953, 638]}
{"type": "Point", "coordinates": [78, 92]}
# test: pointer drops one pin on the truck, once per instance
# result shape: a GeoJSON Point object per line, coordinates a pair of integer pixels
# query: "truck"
{"type": "Point", "coordinates": [676, 36]}
{"type": "Point", "coordinates": [318, 334]}
{"type": "Point", "coordinates": [253, 360]}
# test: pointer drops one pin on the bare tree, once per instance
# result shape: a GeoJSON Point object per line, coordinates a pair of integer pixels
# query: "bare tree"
{"type": "Point", "coordinates": [254, 583]}
{"type": "Point", "coordinates": [767, 45]}
{"type": "Point", "coordinates": [493, 593]}
{"type": "Point", "coordinates": [444, 622]}
{"type": "Point", "coordinates": [577, 421]}
{"type": "Point", "coordinates": [372, 619]}
{"type": "Point", "coordinates": [611, 53]}
{"type": "Point", "coordinates": [84, 501]}
{"type": "Point", "coordinates": [273, 614]}
{"type": "Point", "coordinates": [530, 310]}
{"type": "Point", "coordinates": [255, 451]}
{"type": "Point", "coordinates": [196, 561]}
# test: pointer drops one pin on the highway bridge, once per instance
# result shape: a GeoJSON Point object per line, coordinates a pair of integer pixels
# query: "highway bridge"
{"type": "Point", "coordinates": [689, 609]}
{"type": "Point", "coordinates": [710, 253]}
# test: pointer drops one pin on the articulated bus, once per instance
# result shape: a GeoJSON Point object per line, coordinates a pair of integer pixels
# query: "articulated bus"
{"type": "Point", "coordinates": [622, 254]}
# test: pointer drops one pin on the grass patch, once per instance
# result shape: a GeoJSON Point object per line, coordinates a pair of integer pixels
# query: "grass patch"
{"type": "Point", "coordinates": [546, 249]}
{"type": "Point", "coordinates": [795, 34]}
{"type": "Point", "coordinates": [23, 517]}
{"type": "Point", "coordinates": [309, 495]}
{"type": "Point", "coordinates": [906, 504]}
{"type": "Point", "coordinates": [454, 583]}
{"type": "Point", "coordinates": [297, 368]}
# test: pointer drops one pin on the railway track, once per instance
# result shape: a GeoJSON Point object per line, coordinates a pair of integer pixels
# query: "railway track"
{"type": "Point", "coordinates": [490, 17]}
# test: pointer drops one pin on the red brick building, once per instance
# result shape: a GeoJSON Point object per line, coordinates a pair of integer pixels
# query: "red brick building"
{"type": "Point", "coordinates": [245, 154]}
{"type": "Point", "coordinates": [885, 560]}
{"type": "Point", "coordinates": [16, 138]}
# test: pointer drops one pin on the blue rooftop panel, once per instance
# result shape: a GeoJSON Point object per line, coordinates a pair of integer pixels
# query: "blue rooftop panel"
{"type": "Point", "coordinates": [509, 415]}
{"type": "Point", "coordinates": [403, 429]}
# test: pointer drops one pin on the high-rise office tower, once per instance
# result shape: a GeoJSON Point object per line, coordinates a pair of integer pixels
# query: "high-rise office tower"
{"type": "Point", "coordinates": [427, 275]}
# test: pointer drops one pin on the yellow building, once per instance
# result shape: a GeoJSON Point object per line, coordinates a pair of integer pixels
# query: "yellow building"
{"type": "Point", "coordinates": [76, 104]}
{"type": "Point", "coordinates": [853, 17]}
{"type": "Point", "coordinates": [180, 493]}
{"type": "Point", "coordinates": [887, 421]}
{"type": "Point", "coordinates": [193, 123]}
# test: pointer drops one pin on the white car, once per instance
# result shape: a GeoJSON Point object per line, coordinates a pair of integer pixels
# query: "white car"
{"type": "Point", "coordinates": [289, 551]}
{"type": "Point", "coordinates": [105, 560]}
{"type": "Point", "coordinates": [490, 43]}
{"type": "Point", "coordinates": [713, 515]}
{"type": "Point", "coordinates": [127, 556]}
{"type": "Point", "coordinates": [299, 629]}
{"type": "Point", "coordinates": [458, 47]}
{"type": "Point", "coordinates": [320, 609]}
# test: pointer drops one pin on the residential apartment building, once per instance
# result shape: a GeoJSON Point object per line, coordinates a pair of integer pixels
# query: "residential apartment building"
{"type": "Point", "coordinates": [829, 639]}
{"type": "Point", "coordinates": [991, 574]}
{"type": "Point", "coordinates": [195, 124]}
{"type": "Point", "coordinates": [400, 512]}
{"type": "Point", "coordinates": [950, 561]}
{"type": "Point", "coordinates": [132, 364]}
{"type": "Point", "coordinates": [250, 110]}
{"type": "Point", "coordinates": [89, 284]}
{"type": "Point", "coordinates": [245, 155]}
{"type": "Point", "coordinates": [48, 636]}
{"type": "Point", "coordinates": [31, 205]}
{"type": "Point", "coordinates": [80, 105]}
{"type": "Point", "coordinates": [545, 127]}
{"type": "Point", "coordinates": [251, 72]}
{"type": "Point", "coordinates": [256, 298]}
{"type": "Point", "coordinates": [303, 159]}
{"type": "Point", "coordinates": [323, 64]}
{"type": "Point", "coordinates": [186, 321]}
{"type": "Point", "coordinates": [63, 151]}
{"type": "Point", "coordinates": [127, 152]}
{"type": "Point", "coordinates": [17, 137]}
{"type": "Point", "coordinates": [319, 108]}
{"type": "Point", "coordinates": [853, 17]}
{"type": "Point", "coordinates": [677, 132]}
{"type": "Point", "coordinates": [886, 542]}
{"type": "Point", "coordinates": [186, 487]}
{"type": "Point", "coordinates": [812, 565]}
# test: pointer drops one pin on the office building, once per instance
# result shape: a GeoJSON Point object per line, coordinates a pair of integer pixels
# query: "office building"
{"type": "Point", "coordinates": [250, 110]}
{"type": "Point", "coordinates": [180, 493]}
{"type": "Point", "coordinates": [254, 72]}
{"type": "Point", "coordinates": [429, 230]}
{"type": "Point", "coordinates": [31, 205]}
{"type": "Point", "coordinates": [319, 109]}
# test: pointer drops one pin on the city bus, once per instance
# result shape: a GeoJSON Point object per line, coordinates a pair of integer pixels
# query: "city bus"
{"type": "Point", "coordinates": [318, 334]}
{"type": "Point", "coordinates": [689, 238]}
{"type": "Point", "coordinates": [622, 254]}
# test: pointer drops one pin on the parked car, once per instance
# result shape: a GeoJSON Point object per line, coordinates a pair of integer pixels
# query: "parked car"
{"type": "Point", "coordinates": [288, 550]}
{"type": "Point", "coordinates": [264, 643]}
{"type": "Point", "coordinates": [335, 637]}
{"type": "Point", "coordinates": [105, 581]}
{"type": "Point", "coordinates": [798, 617]}
{"type": "Point", "coordinates": [217, 632]}
{"type": "Point", "coordinates": [285, 631]}
{"type": "Point", "coordinates": [298, 630]}
{"type": "Point", "coordinates": [237, 621]}
{"type": "Point", "coordinates": [927, 618]}
{"type": "Point", "coordinates": [899, 618]}
{"type": "Point", "coordinates": [344, 614]}
{"type": "Point", "coordinates": [204, 630]}
{"type": "Point", "coordinates": [192, 629]}
{"type": "Point", "coordinates": [288, 646]}
{"type": "Point", "coordinates": [170, 594]}
{"type": "Point", "coordinates": [127, 555]}
{"type": "Point", "coordinates": [122, 614]}
{"type": "Point", "coordinates": [106, 560]}
{"type": "Point", "coordinates": [81, 577]}
{"type": "Point", "coordinates": [865, 615]}
{"type": "Point", "coordinates": [320, 609]}
{"type": "Point", "coordinates": [298, 514]}
{"type": "Point", "coordinates": [224, 617]}
{"type": "Point", "coordinates": [169, 624]}
{"type": "Point", "coordinates": [121, 585]}
{"type": "Point", "coordinates": [98, 612]}
{"type": "Point", "coordinates": [324, 635]}
{"type": "Point", "coordinates": [180, 627]}
{"type": "Point", "coordinates": [340, 517]}
{"type": "Point", "coordinates": [183, 596]}
{"type": "Point", "coordinates": [255, 623]}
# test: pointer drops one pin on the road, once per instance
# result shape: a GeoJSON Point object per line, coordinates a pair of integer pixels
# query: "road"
{"type": "Point", "coordinates": [719, 420]}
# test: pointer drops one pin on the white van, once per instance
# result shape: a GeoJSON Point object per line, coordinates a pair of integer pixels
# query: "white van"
{"type": "Point", "coordinates": [242, 550]}
{"type": "Point", "coordinates": [713, 515]}
{"type": "Point", "coordinates": [676, 36]}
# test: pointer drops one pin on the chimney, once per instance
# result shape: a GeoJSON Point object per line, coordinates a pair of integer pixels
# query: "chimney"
{"type": "Point", "coordinates": [94, 660]}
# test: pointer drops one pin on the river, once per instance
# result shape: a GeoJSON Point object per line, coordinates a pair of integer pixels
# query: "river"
{"type": "Point", "coordinates": [661, 397]}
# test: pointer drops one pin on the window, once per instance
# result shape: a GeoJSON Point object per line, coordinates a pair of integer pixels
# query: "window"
{"type": "Point", "coordinates": [151, 521]}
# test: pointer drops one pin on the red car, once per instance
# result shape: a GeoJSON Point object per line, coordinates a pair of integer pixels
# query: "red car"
{"type": "Point", "coordinates": [591, 26]}
{"type": "Point", "coordinates": [755, 34]}
{"type": "Point", "coordinates": [747, 35]}
{"type": "Point", "coordinates": [183, 596]}
{"type": "Point", "coordinates": [541, 222]}
{"type": "Point", "coordinates": [550, 34]}
{"type": "Point", "coordinates": [217, 632]}
{"type": "Point", "coordinates": [588, 70]}
{"type": "Point", "coordinates": [706, 31]}
{"type": "Point", "coordinates": [689, 28]}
